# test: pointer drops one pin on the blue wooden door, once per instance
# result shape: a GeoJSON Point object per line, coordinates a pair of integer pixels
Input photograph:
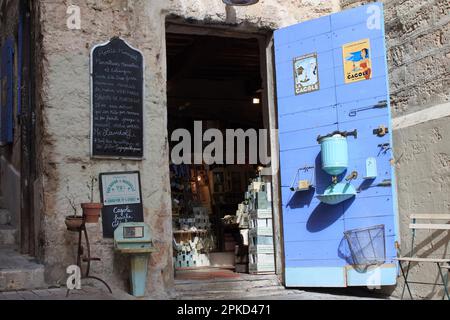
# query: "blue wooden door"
{"type": "Point", "coordinates": [317, 95]}
{"type": "Point", "coordinates": [7, 92]}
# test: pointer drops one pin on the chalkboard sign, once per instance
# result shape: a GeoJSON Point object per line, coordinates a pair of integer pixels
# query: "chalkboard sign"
{"type": "Point", "coordinates": [122, 200]}
{"type": "Point", "coordinates": [117, 82]}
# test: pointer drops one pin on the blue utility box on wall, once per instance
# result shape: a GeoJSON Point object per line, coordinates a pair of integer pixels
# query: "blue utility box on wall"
{"type": "Point", "coordinates": [331, 80]}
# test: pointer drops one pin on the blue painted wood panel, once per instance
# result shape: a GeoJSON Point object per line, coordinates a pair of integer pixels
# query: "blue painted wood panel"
{"type": "Point", "coordinates": [313, 100]}
{"type": "Point", "coordinates": [385, 274]}
{"type": "Point", "coordinates": [7, 92]}
{"type": "Point", "coordinates": [322, 44]}
{"type": "Point", "coordinates": [302, 31]}
{"type": "Point", "coordinates": [311, 118]}
{"type": "Point", "coordinates": [316, 252]}
{"type": "Point", "coordinates": [324, 250]}
{"type": "Point", "coordinates": [303, 138]}
{"type": "Point", "coordinates": [318, 275]}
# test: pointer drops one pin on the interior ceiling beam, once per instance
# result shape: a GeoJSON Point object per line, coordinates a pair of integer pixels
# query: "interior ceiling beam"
{"type": "Point", "coordinates": [179, 25]}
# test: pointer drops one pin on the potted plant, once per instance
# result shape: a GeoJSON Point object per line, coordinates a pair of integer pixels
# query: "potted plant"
{"type": "Point", "coordinates": [73, 222]}
{"type": "Point", "coordinates": [91, 210]}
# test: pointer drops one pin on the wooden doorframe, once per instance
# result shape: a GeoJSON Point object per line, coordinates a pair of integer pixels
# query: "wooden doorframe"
{"type": "Point", "coordinates": [175, 24]}
{"type": "Point", "coordinates": [269, 99]}
{"type": "Point", "coordinates": [27, 123]}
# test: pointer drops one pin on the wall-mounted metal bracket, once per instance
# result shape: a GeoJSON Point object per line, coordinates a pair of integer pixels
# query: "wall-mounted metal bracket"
{"type": "Point", "coordinates": [302, 185]}
{"type": "Point", "coordinates": [352, 176]}
{"type": "Point", "coordinates": [345, 134]}
{"type": "Point", "coordinates": [379, 105]}
{"type": "Point", "coordinates": [381, 131]}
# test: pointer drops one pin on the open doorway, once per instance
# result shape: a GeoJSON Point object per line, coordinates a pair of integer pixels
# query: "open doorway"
{"type": "Point", "coordinates": [216, 82]}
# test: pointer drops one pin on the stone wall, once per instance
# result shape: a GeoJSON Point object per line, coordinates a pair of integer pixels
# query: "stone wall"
{"type": "Point", "coordinates": [418, 44]}
{"type": "Point", "coordinates": [65, 113]}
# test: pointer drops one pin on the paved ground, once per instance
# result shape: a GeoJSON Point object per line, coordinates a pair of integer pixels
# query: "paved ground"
{"type": "Point", "coordinates": [87, 293]}
{"type": "Point", "coordinates": [206, 284]}
{"type": "Point", "coordinates": [100, 294]}
{"type": "Point", "coordinates": [218, 284]}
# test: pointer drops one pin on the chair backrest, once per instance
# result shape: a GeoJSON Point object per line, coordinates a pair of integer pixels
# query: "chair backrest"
{"type": "Point", "coordinates": [431, 225]}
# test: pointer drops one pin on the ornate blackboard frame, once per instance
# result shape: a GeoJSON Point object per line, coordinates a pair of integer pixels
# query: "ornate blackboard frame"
{"type": "Point", "coordinates": [91, 70]}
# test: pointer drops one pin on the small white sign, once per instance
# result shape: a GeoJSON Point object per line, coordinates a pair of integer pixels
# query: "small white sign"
{"type": "Point", "coordinates": [269, 191]}
{"type": "Point", "coordinates": [120, 189]}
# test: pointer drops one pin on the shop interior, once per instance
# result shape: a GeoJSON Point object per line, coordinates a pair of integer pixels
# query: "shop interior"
{"type": "Point", "coordinates": [217, 80]}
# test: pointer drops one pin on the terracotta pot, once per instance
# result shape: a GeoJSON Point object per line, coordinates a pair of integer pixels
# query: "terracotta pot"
{"type": "Point", "coordinates": [73, 223]}
{"type": "Point", "coordinates": [91, 211]}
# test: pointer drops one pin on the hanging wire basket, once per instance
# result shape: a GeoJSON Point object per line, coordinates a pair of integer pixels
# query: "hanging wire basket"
{"type": "Point", "coordinates": [367, 245]}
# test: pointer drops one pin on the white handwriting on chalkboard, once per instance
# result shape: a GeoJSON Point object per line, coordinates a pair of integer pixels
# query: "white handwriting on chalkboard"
{"type": "Point", "coordinates": [118, 133]}
{"type": "Point", "coordinates": [117, 94]}
{"type": "Point", "coordinates": [129, 54]}
{"type": "Point", "coordinates": [121, 215]}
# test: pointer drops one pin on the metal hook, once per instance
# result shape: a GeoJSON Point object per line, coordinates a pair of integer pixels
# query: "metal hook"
{"type": "Point", "coordinates": [352, 176]}
{"type": "Point", "coordinates": [384, 147]}
{"type": "Point", "coordinates": [345, 134]}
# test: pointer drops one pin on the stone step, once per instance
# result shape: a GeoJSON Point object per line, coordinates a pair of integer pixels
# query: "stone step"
{"type": "Point", "coordinates": [226, 285]}
{"type": "Point", "coordinates": [243, 286]}
{"type": "Point", "coordinates": [19, 272]}
{"type": "Point", "coordinates": [230, 290]}
{"type": "Point", "coordinates": [8, 235]}
{"type": "Point", "coordinates": [234, 295]}
{"type": "Point", "coordinates": [240, 278]}
{"type": "Point", "coordinates": [5, 217]}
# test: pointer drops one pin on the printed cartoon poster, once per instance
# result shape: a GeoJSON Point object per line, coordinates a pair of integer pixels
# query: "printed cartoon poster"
{"type": "Point", "coordinates": [306, 74]}
{"type": "Point", "coordinates": [357, 61]}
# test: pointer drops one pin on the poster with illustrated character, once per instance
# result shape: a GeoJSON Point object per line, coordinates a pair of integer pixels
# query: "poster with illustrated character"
{"type": "Point", "coordinates": [357, 61]}
{"type": "Point", "coordinates": [306, 74]}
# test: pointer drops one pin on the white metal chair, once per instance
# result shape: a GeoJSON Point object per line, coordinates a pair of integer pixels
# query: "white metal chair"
{"type": "Point", "coordinates": [443, 265]}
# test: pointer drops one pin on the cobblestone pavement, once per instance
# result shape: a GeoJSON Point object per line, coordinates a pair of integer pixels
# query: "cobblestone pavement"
{"type": "Point", "coordinates": [87, 293]}
{"type": "Point", "coordinates": [91, 293]}
{"type": "Point", "coordinates": [288, 294]}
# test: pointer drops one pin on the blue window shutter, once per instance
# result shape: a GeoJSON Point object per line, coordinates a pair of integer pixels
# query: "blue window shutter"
{"type": "Point", "coordinates": [316, 252]}
{"type": "Point", "coordinates": [7, 93]}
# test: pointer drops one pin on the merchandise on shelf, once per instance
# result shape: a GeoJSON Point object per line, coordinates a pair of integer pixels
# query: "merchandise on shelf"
{"type": "Point", "coordinates": [201, 217]}
{"type": "Point", "coordinates": [260, 222]}
{"type": "Point", "coordinates": [193, 253]}
{"type": "Point", "coordinates": [242, 215]}
{"type": "Point", "coordinates": [197, 241]}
